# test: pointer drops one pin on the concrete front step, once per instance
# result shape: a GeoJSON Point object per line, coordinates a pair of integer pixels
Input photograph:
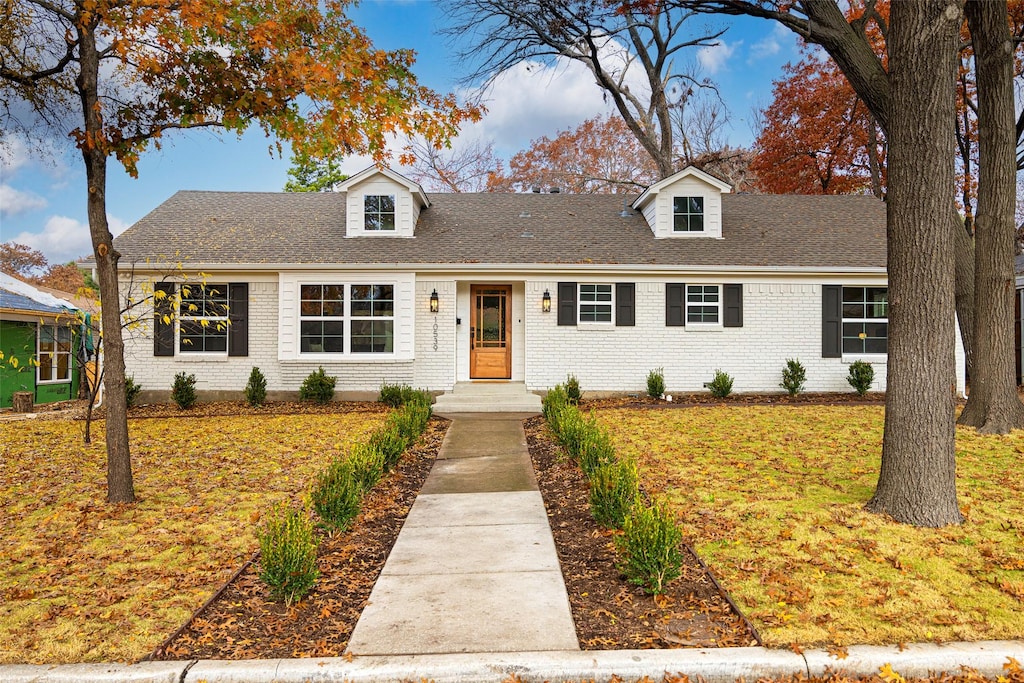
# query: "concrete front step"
{"type": "Point", "coordinates": [488, 397]}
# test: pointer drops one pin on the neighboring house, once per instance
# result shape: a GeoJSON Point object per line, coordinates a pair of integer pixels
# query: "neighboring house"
{"type": "Point", "coordinates": [39, 333]}
{"type": "Point", "coordinates": [380, 283]}
{"type": "Point", "coordinates": [1017, 311]}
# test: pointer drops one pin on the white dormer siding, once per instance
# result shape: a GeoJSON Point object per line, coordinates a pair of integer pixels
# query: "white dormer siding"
{"type": "Point", "coordinates": [409, 201]}
{"type": "Point", "coordinates": [657, 203]}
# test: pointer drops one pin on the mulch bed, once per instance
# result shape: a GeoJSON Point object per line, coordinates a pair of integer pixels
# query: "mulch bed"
{"type": "Point", "coordinates": [242, 622]}
{"type": "Point", "coordinates": [611, 614]}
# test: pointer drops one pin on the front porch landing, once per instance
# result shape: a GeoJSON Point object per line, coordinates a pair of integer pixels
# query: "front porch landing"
{"type": "Point", "coordinates": [488, 397]}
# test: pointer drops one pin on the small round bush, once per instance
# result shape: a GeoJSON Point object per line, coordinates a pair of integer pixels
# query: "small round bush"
{"type": "Point", "coordinates": [131, 390]}
{"type": "Point", "coordinates": [572, 389]}
{"type": "Point", "coordinates": [794, 376]}
{"type": "Point", "coordinates": [336, 495]}
{"type": "Point", "coordinates": [256, 388]}
{"type": "Point", "coordinates": [721, 385]}
{"type": "Point", "coordinates": [319, 387]}
{"type": "Point", "coordinates": [183, 392]}
{"type": "Point", "coordinates": [861, 376]}
{"type": "Point", "coordinates": [656, 383]}
{"type": "Point", "coordinates": [650, 547]}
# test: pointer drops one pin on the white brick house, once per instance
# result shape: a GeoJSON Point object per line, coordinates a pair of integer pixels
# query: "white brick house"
{"type": "Point", "coordinates": [380, 283]}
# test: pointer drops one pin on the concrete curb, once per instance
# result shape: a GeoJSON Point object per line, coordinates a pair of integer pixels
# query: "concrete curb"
{"type": "Point", "coordinates": [713, 666]}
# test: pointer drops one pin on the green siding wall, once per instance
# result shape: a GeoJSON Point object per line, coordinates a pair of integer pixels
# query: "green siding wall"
{"type": "Point", "coordinates": [18, 340]}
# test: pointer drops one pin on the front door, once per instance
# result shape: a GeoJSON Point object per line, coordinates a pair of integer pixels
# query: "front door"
{"type": "Point", "coordinates": [490, 332]}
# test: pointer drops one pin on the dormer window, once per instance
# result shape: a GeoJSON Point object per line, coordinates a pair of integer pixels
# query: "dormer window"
{"type": "Point", "coordinates": [379, 212]}
{"type": "Point", "coordinates": [688, 214]}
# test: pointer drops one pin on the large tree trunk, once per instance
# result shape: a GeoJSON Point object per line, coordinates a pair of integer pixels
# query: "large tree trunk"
{"type": "Point", "coordinates": [993, 406]}
{"type": "Point", "coordinates": [917, 483]}
{"type": "Point", "coordinates": [120, 488]}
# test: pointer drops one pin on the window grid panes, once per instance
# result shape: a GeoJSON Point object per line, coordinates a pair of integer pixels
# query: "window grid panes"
{"type": "Point", "coordinates": [703, 304]}
{"type": "Point", "coordinates": [373, 318]}
{"type": "Point", "coordinates": [54, 354]}
{"type": "Point", "coordinates": [322, 319]}
{"type": "Point", "coordinates": [688, 214]}
{"type": "Point", "coordinates": [203, 324]}
{"type": "Point", "coordinates": [865, 320]}
{"type": "Point", "coordinates": [347, 318]}
{"type": "Point", "coordinates": [379, 212]}
{"type": "Point", "coordinates": [595, 303]}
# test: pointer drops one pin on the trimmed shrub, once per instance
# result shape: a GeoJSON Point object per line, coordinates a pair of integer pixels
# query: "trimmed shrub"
{"type": "Point", "coordinates": [412, 419]}
{"type": "Point", "coordinates": [336, 495]}
{"type": "Point", "coordinates": [569, 427]}
{"type": "Point", "coordinates": [131, 390]}
{"type": "Point", "coordinates": [594, 449]}
{"type": "Point", "coordinates": [721, 385]}
{"type": "Point", "coordinates": [552, 404]}
{"type": "Point", "coordinates": [649, 550]}
{"type": "Point", "coordinates": [614, 489]}
{"type": "Point", "coordinates": [367, 465]}
{"type": "Point", "coordinates": [861, 376]}
{"type": "Point", "coordinates": [391, 444]}
{"type": "Point", "coordinates": [288, 554]}
{"type": "Point", "coordinates": [395, 395]}
{"type": "Point", "coordinates": [256, 388]}
{"type": "Point", "coordinates": [572, 389]}
{"type": "Point", "coordinates": [183, 391]}
{"type": "Point", "coordinates": [318, 386]}
{"type": "Point", "coordinates": [656, 383]}
{"type": "Point", "coordinates": [793, 377]}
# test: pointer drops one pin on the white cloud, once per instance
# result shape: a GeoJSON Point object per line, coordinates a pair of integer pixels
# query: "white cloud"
{"type": "Point", "coordinates": [772, 44]}
{"type": "Point", "coordinates": [713, 58]}
{"type": "Point", "coordinates": [13, 202]}
{"type": "Point", "coordinates": [65, 239]}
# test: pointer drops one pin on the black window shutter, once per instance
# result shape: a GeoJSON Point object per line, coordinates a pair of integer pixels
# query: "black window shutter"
{"type": "Point", "coordinates": [733, 298]}
{"type": "Point", "coordinates": [675, 304]}
{"type": "Point", "coordinates": [566, 303]}
{"type": "Point", "coordinates": [625, 304]}
{"type": "Point", "coordinates": [831, 321]}
{"type": "Point", "coordinates": [163, 332]}
{"type": "Point", "coordinates": [238, 315]}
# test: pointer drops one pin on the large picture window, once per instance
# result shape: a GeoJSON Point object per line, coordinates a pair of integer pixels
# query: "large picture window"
{"type": "Point", "coordinates": [54, 354]}
{"type": "Point", "coordinates": [865, 320]}
{"type": "Point", "coordinates": [703, 305]}
{"type": "Point", "coordinates": [688, 214]}
{"type": "Point", "coordinates": [203, 319]}
{"type": "Point", "coordinates": [347, 318]}
{"type": "Point", "coordinates": [595, 303]}
{"type": "Point", "coordinates": [379, 212]}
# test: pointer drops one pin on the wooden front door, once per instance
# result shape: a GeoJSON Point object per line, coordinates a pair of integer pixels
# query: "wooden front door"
{"type": "Point", "coordinates": [490, 332]}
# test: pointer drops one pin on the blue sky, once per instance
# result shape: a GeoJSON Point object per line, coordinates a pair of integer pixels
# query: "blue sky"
{"type": "Point", "coordinates": [42, 197]}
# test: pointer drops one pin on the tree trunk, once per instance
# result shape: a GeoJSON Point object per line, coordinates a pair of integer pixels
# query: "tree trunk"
{"type": "Point", "coordinates": [917, 483]}
{"type": "Point", "coordinates": [993, 406]}
{"type": "Point", "coordinates": [963, 255]}
{"type": "Point", "coordinates": [120, 488]}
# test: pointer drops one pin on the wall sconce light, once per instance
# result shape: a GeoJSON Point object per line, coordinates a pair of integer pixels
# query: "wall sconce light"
{"type": "Point", "coordinates": [545, 302]}
{"type": "Point", "coordinates": [435, 303]}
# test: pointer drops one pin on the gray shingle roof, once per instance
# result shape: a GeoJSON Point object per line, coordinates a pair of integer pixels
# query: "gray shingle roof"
{"type": "Point", "coordinates": [309, 228]}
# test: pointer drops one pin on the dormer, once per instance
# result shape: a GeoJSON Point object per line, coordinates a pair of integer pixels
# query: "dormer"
{"type": "Point", "coordinates": [687, 204]}
{"type": "Point", "coordinates": [382, 203]}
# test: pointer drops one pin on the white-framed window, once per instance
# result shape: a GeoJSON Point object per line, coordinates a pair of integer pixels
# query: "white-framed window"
{"type": "Point", "coordinates": [865, 320]}
{"type": "Point", "coordinates": [203, 319]}
{"type": "Point", "coordinates": [688, 214]}
{"type": "Point", "coordinates": [53, 351]}
{"type": "Point", "coordinates": [703, 304]}
{"type": "Point", "coordinates": [379, 212]}
{"type": "Point", "coordinates": [596, 303]}
{"type": "Point", "coordinates": [347, 318]}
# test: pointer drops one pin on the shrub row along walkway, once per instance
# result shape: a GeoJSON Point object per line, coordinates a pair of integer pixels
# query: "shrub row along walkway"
{"type": "Point", "coordinates": [474, 568]}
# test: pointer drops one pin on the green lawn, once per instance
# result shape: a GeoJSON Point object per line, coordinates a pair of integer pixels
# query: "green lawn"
{"type": "Point", "coordinates": [773, 497]}
{"type": "Point", "coordinates": [85, 581]}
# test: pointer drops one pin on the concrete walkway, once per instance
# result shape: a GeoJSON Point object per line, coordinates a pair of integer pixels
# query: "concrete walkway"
{"type": "Point", "coordinates": [474, 568]}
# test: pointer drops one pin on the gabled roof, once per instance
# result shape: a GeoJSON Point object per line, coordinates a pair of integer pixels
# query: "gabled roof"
{"type": "Point", "coordinates": [759, 231]}
{"type": "Point", "coordinates": [367, 173]}
{"type": "Point", "coordinates": [689, 171]}
{"type": "Point", "coordinates": [16, 295]}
